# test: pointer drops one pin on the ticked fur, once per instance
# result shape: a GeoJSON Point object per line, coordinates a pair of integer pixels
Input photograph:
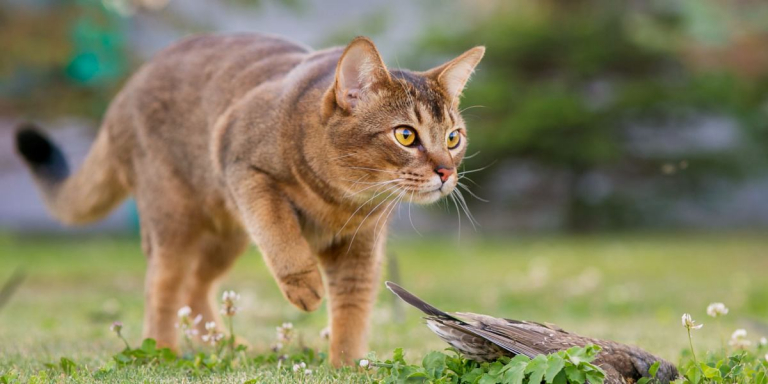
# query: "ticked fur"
{"type": "Point", "coordinates": [226, 140]}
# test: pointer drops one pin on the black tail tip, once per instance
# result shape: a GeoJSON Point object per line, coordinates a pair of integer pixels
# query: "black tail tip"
{"type": "Point", "coordinates": [33, 145]}
{"type": "Point", "coordinates": [39, 151]}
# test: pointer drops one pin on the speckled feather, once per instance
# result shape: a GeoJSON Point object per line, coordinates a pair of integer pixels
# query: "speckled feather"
{"type": "Point", "coordinates": [486, 338]}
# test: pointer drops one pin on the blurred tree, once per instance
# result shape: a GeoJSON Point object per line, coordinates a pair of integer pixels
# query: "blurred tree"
{"type": "Point", "coordinates": [68, 58]}
{"type": "Point", "coordinates": [63, 58]}
{"type": "Point", "coordinates": [562, 82]}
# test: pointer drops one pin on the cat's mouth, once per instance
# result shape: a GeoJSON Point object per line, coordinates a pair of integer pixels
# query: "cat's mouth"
{"type": "Point", "coordinates": [430, 196]}
{"type": "Point", "coordinates": [411, 190]}
{"type": "Point", "coordinates": [426, 197]}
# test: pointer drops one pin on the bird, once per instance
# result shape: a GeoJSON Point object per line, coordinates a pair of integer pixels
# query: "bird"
{"type": "Point", "coordinates": [484, 338]}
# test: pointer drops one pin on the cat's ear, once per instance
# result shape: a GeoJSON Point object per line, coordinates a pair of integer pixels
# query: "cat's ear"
{"type": "Point", "coordinates": [453, 75]}
{"type": "Point", "coordinates": [359, 70]}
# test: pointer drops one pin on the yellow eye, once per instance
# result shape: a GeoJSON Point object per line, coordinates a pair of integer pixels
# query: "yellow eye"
{"type": "Point", "coordinates": [454, 138]}
{"type": "Point", "coordinates": [405, 135]}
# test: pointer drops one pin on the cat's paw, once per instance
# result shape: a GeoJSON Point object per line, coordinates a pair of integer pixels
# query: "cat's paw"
{"type": "Point", "coordinates": [304, 290]}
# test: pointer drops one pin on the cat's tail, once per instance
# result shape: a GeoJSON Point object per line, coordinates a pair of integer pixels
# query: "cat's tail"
{"type": "Point", "coordinates": [85, 196]}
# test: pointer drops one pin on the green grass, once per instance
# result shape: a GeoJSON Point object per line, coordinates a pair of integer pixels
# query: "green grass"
{"type": "Point", "coordinates": [630, 288]}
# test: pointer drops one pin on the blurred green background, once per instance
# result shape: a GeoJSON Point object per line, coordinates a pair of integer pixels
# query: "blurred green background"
{"type": "Point", "coordinates": [621, 146]}
{"type": "Point", "coordinates": [587, 115]}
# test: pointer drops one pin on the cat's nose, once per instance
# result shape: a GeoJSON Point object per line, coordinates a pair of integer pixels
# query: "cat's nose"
{"type": "Point", "coordinates": [444, 172]}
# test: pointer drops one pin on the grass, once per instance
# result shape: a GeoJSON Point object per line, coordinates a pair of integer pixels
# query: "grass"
{"type": "Point", "coordinates": [630, 288]}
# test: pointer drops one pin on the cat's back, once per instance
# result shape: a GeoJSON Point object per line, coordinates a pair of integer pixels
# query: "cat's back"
{"type": "Point", "coordinates": [207, 72]}
{"type": "Point", "coordinates": [171, 104]}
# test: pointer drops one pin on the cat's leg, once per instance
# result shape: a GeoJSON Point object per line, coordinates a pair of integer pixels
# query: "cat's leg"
{"type": "Point", "coordinates": [170, 233]}
{"type": "Point", "coordinates": [216, 255]}
{"type": "Point", "coordinates": [167, 268]}
{"type": "Point", "coordinates": [352, 273]}
{"type": "Point", "coordinates": [274, 226]}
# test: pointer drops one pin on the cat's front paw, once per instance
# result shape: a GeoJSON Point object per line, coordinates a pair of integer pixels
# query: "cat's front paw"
{"type": "Point", "coordinates": [304, 289]}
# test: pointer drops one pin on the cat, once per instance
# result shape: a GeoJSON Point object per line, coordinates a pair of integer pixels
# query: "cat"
{"type": "Point", "coordinates": [227, 139]}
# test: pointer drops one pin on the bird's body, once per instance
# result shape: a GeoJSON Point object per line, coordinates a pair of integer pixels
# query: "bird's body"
{"type": "Point", "coordinates": [486, 338]}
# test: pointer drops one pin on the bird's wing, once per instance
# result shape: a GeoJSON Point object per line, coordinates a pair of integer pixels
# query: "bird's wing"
{"type": "Point", "coordinates": [510, 345]}
{"type": "Point", "coordinates": [516, 336]}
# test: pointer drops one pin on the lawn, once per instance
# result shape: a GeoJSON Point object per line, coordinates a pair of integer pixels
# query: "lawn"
{"type": "Point", "coordinates": [632, 288]}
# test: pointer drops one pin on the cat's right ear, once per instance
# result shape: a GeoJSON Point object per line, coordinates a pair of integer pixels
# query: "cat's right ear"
{"type": "Point", "coordinates": [359, 71]}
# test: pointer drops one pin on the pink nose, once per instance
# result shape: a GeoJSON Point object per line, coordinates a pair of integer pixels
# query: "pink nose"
{"type": "Point", "coordinates": [444, 172]}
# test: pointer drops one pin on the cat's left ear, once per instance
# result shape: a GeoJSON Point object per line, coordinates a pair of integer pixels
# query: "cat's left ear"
{"type": "Point", "coordinates": [359, 71]}
{"type": "Point", "coordinates": [453, 75]}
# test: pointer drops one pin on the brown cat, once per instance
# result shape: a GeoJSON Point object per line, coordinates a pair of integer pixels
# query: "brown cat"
{"type": "Point", "coordinates": [222, 139]}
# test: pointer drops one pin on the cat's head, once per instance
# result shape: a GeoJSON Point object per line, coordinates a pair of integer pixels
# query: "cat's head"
{"type": "Point", "coordinates": [396, 133]}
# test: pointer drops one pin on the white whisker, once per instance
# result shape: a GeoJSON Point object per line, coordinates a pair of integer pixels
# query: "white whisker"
{"type": "Point", "coordinates": [477, 169]}
{"type": "Point", "coordinates": [463, 204]}
{"type": "Point", "coordinates": [463, 186]}
{"type": "Point", "coordinates": [458, 213]}
{"type": "Point", "coordinates": [354, 182]}
{"type": "Point", "coordinates": [470, 107]}
{"type": "Point", "coordinates": [369, 214]}
{"type": "Point", "coordinates": [410, 202]}
{"type": "Point", "coordinates": [385, 213]}
{"type": "Point", "coordinates": [376, 194]}
{"type": "Point", "coordinates": [372, 186]}
{"type": "Point", "coordinates": [470, 180]}
{"type": "Point", "coordinates": [471, 156]}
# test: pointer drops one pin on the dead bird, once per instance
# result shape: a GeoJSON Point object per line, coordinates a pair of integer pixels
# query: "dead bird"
{"type": "Point", "coordinates": [485, 338]}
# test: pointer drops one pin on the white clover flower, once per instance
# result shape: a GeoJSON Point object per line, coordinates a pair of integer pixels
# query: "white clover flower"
{"type": "Point", "coordinates": [229, 299]}
{"type": "Point", "coordinates": [185, 311]}
{"type": "Point", "coordinates": [717, 309]}
{"type": "Point", "coordinates": [739, 343]}
{"type": "Point", "coordinates": [766, 357]}
{"type": "Point", "coordinates": [739, 339]}
{"type": "Point", "coordinates": [212, 337]}
{"type": "Point", "coordinates": [325, 333]}
{"type": "Point", "coordinates": [307, 372]}
{"type": "Point", "coordinates": [285, 333]}
{"type": "Point", "coordinates": [688, 322]}
{"type": "Point", "coordinates": [230, 296]}
{"type": "Point", "coordinates": [364, 363]}
{"type": "Point", "coordinates": [186, 324]}
{"type": "Point", "coordinates": [116, 327]}
{"type": "Point", "coordinates": [763, 341]}
{"type": "Point", "coordinates": [277, 347]}
{"type": "Point", "coordinates": [296, 367]}
{"type": "Point", "coordinates": [303, 365]}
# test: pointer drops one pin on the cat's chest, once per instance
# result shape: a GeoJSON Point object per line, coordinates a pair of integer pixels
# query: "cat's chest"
{"type": "Point", "coordinates": [322, 235]}
{"type": "Point", "coordinates": [323, 224]}
{"type": "Point", "coordinates": [319, 238]}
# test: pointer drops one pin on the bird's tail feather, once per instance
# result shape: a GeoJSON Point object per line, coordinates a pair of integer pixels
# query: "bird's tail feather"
{"type": "Point", "coordinates": [415, 301]}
